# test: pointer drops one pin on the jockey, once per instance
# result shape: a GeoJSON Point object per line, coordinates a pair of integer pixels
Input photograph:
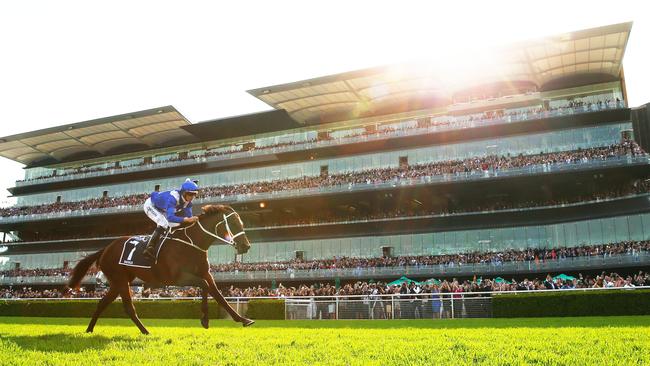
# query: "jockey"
{"type": "Point", "coordinates": [161, 208]}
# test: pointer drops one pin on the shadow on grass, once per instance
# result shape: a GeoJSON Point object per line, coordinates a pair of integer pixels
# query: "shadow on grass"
{"type": "Point", "coordinates": [83, 322]}
{"type": "Point", "coordinates": [67, 343]}
{"type": "Point", "coordinates": [152, 324]}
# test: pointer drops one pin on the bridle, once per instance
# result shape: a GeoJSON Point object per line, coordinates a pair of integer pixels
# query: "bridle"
{"type": "Point", "coordinates": [229, 239]}
{"type": "Point", "coordinates": [228, 231]}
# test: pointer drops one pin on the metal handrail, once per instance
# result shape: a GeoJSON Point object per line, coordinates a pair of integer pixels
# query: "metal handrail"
{"type": "Point", "coordinates": [540, 169]}
{"type": "Point", "coordinates": [318, 144]}
{"type": "Point", "coordinates": [333, 298]}
{"type": "Point", "coordinates": [566, 264]}
{"type": "Point", "coordinates": [436, 270]}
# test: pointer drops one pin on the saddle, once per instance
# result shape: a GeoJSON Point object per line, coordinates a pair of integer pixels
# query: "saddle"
{"type": "Point", "coordinates": [132, 252]}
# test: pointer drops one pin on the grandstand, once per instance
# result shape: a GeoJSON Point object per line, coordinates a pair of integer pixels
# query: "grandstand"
{"type": "Point", "coordinates": [538, 153]}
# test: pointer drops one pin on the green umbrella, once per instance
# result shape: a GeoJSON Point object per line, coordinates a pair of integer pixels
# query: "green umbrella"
{"type": "Point", "coordinates": [500, 280]}
{"type": "Point", "coordinates": [402, 280]}
{"type": "Point", "coordinates": [564, 277]}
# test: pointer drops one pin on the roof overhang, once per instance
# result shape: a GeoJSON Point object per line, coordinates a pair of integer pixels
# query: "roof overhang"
{"type": "Point", "coordinates": [565, 60]}
{"type": "Point", "coordinates": [153, 128]}
{"type": "Point", "coordinates": [244, 125]}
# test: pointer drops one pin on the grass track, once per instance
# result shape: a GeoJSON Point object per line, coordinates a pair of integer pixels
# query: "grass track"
{"type": "Point", "coordinates": [545, 341]}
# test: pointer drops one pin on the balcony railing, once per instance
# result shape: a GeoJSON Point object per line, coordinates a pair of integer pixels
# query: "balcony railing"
{"type": "Point", "coordinates": [325, 143]}
{"type": "Point", "coordinates": [361, 187]}
{"type": "Point", "coordinates": [573, 264]}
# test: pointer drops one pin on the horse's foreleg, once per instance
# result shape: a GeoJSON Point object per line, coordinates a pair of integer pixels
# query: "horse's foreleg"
{"type": "Point", "coordinates": [205, 320]}
{"type": "Point", "coordinates": [108, 298]}
{"type": "Point", "coordinates": [125, 292]}
{"type": "Point", "coordinates": [214, 291]}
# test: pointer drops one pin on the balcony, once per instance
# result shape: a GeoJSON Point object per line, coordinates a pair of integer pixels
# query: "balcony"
{"type": "Point", "coordinates": [534, 170]}
{"type": "Point", "coordinates": [350, 140]}
{"type": "Point", "coordinates": [523, 268]}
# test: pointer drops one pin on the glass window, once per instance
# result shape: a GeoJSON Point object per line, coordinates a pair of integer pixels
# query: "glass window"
{"type": "Point", "coordinates": [451, 242]}
{"type": "Point", "coordinates": [595, 232]}
{"type": "Point", "coordinates": [622, 229]}
{"type": "Point", "coordinates": [520, 237]}
{"type": "Point", "coordinates": [582, 229]}
{"type": "Point", "coordinates": [609, 231]}
{"type": "Point", "coordinates": [645, 219]}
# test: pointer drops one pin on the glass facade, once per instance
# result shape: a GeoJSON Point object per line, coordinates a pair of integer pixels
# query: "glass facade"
{"type": "Point", "coordinates": [286, 138]}
{"type": "Point", "coordinates": [589, 232]}
{"type": "Point", "coordinates": [47, 260]}
{"type": "Point", "coordinates": [33, 173]}
{"type": "Point", "coordinates": [564, 140]}
{"type": "Point", "coordinates": [571, 234]}
{"type": "Point", "coordinates": [131, 162]}
{"type": "Point", "coordinates": [165, 157]}
{"type": "Point", "coordinates": [347, 132]}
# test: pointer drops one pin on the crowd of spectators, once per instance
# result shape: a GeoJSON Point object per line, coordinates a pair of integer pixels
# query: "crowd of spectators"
{"type": "Point", "coordinates": [45, 272]}
{"type": "Point", "coordinates": [91, 204]}
{"type": "Point", "coordinates": [477, 165]}
{"type": "Point", "coordinates": [495, 258]}
{"type": "Point", "coordinates": [476, 284]}
{"type": "Point", "coordinates": [14, 292]}
{"type": "Point", "coordinates": [444, 122]}
{"type": "Point", "coordinates": [452, 260]}
{"type": "Point", "coordinates": [324, 217]}
{"type": "Point", "coordinates": [427, 289]}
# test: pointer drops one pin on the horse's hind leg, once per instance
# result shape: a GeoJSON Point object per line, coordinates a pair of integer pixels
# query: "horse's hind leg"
{"type": "Point", "coordinates": [125, 292]}
{"type": "Point", "coordinates": [108, 298]}
{"type": "Point", "coordinates": [205, 320]}
{"type": "Point", "coordinates": [190, 279]}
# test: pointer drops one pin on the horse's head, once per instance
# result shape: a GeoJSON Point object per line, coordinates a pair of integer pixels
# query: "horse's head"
{"type": "Point", "coordinates": [226, 224]}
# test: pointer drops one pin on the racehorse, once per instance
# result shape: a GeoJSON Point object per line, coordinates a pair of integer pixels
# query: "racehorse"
{"type": "Point", "coordinates": [182, 261]}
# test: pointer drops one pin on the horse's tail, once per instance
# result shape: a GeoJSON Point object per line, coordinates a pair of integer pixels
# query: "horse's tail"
{"type": "Point", "coordinates": [81, 268]}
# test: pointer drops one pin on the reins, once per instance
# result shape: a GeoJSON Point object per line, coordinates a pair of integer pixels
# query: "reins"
{"type": "Point", "coordinates": [190, 242]}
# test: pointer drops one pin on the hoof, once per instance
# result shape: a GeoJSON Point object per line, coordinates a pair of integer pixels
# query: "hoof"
{"type": "Point", "coordinates": [205, 323]}
{"type": "Point", "coordinates": [145, 332]}
{"type": "Point", "coordinates": [247, 322]}
{"type": "Point", "coordinates": [89, 330]}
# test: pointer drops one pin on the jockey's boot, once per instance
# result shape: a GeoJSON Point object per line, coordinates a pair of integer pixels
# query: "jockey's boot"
{"type": "Point", "coordinates": [152, 244]}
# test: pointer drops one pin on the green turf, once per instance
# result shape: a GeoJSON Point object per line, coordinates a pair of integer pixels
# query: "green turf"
{"type": "Point", "coordinates": [546, 341]}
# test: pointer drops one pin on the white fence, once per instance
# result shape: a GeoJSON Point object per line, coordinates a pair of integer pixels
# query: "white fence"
{"type": "Point", "coordinates": [401, 306]}
{"type": "Point", "coordinates": [392, 306]}
{"type": "Point", "coordinates": [423, 306]}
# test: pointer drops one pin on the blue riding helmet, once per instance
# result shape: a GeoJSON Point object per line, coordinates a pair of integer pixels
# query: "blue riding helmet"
{"type": "Point", "coordinates": [190, 187]}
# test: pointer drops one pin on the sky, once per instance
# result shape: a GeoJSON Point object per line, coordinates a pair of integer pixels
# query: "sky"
{"type": "Point", "coordinates": [70, 61]}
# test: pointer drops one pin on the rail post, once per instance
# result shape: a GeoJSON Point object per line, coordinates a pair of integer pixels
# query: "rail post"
{"type": "Point", "coordinates": [452, 305]}
{"type": "Point", "coordinates": [337, 307]}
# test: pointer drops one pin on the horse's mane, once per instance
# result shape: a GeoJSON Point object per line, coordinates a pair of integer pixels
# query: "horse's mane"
{"type": "Point", "coordinates": [214, 209]}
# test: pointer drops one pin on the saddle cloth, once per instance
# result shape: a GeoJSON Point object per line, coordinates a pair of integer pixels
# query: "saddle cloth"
{"type": "Point", "coordinates": [132, 252]}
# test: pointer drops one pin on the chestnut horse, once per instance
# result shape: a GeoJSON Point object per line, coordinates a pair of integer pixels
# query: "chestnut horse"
{"type": "Point", "coordinates": [182, 261]}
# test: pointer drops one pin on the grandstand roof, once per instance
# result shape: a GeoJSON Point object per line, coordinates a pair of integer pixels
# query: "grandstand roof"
{"type": "Point", "coordinates": [571, 59]}
{"type": "Point", "coordinates": [153, 128]}
{"type": "Point", "coordinates": [247, 124]}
